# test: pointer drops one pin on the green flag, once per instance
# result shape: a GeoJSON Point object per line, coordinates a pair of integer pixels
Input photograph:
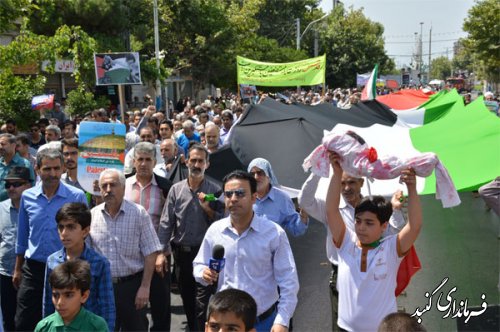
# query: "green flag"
{"type": "Point", "coordinates": [304, 72]}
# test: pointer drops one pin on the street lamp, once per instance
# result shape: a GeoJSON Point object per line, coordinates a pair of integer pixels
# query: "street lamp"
{"type": "Point", "coordinates": [299, 35]}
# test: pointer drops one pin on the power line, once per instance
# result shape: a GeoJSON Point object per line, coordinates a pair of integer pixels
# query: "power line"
{"type": "Point", "coordinates": [423, 41]}
{"type": "Point", "coordinates": [412, 55]}
{"type": "Point", "coordinates": [434, 34]}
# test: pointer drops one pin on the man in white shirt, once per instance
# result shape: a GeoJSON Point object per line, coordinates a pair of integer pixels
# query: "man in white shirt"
{"type": "Point", "coordinates": [258, 256]}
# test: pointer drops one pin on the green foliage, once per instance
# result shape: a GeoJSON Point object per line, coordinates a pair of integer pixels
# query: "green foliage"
{"type": "Point", "coordinates": [79, 102]}
{"type": "Point", "coordinates": [11, 11]}
{"type": "Point", "coordinates": [440, 68]}
{"type": "Point", "coordinates": [483, 26]}
{"type": "Point", "coordinates": [277, 20]}
{"type": "Point", "coordinates": [16, 93]}
{"type": "Point", "coordinates": [464, 59]}
{"type": "Point", "coordinates": [353, 44]}
{"type": "Point", "coordinates": [198, 38]}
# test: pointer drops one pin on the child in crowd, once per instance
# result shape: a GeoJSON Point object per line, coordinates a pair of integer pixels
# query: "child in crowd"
{"type": "Point", "coordinates": [231, 310]}
{"type": "Point", "coordinates": [368, 263]}
{"type": "Point", "coordinates": [400, 322]}
{"type": "Point", "coordinates": [70, 282]}
{"type": "Point", "coordinates": [73, 224]}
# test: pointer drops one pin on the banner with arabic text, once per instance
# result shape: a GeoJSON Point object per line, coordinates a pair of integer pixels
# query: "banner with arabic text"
{"type": "Point", "coordinates": [304, 72]}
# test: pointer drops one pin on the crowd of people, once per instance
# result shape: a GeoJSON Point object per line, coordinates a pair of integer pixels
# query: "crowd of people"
{"type": "Point", "coordinates": [100, 262]}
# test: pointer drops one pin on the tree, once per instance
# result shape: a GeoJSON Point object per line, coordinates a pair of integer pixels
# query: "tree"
{"type": "Point", "coordinates": [277, 19]}
{"type": "Point", "coordinates": [16, 91]}
{"type": "Point", "coordinates": [483, 27]}
{"type": "Point", "coordinates": [441, 68]}
{"type": "Point", "coordinates": [353, 44]}
{"type": "Point", "coordinates": [463, 60]}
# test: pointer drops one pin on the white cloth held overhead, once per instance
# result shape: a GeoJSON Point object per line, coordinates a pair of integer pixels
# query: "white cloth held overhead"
{"type": "Point", "coordinates": [359, 160]}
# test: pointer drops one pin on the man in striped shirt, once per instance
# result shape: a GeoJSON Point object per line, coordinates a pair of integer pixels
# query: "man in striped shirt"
{"type": "Point", "coordinates": [150, 191]}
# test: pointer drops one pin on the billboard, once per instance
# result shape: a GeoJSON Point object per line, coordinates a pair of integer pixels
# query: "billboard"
{"type": "Point", "coordinates": [117, 68]}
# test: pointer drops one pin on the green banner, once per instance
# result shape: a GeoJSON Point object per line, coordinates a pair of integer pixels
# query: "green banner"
{"type": "Point", "coordinates": [304, 72]}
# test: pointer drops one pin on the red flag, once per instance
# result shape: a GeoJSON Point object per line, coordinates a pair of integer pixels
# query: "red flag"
{"type": "Point", "coordinates": [408, 267]}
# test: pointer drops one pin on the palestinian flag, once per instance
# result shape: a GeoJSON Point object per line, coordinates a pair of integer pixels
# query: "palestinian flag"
{"type": "Point", "coordinates": [405, 99]}
{"type": "Point", "coordinates": [370, 90]}
{"type": "Point", "coordinates": [433, 109]}
{"type": "Point", "coordinates": [466, 139]}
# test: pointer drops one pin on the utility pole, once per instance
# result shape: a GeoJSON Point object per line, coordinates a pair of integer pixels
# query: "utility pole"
{"type": "Point", "coordinates": [430, 44]}
{"type": "Point", "coordinates": [157, 50]}
{"type": "Point", "coordinates": [316, 48]}
{"type": "Point", "coordinates": [297, 20]}
{"type": "Point", "coordinates": [421, 51]}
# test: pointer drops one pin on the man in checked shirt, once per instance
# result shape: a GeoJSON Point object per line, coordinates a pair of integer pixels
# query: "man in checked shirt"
{"type": "Point", "coordinates": [122, 231]}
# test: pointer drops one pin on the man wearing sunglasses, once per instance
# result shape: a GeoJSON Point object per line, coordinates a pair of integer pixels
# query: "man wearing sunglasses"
{"type": "Point", "coordinates": [17, 180]}
{"type": "Point", "coordinates": [10, 158]}
{"type": "Point", "coordinates": [258, 256]}
{"type": "Point", "coordinates": [183, 223]}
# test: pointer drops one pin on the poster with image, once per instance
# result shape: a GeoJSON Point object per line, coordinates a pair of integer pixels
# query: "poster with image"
{"type": "Point", "coordinates": [117, 68]}
{"type": "Point", "coordinates": [100, 146]}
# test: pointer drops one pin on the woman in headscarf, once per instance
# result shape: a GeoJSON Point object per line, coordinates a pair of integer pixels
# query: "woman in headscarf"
{"type": "Point", "coordinates": [272, 202]}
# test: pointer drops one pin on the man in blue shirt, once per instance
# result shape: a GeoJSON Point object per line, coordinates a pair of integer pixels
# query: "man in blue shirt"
{"type": "Point", "coordinates": [37, 235]}
{"type": "Point", "coordinates": [17, 180]}
{"type": "Point", "coordinates": [10, 158]}
{"type": "Point", "coordinates": [188, 135]}
{"type": "Point", "coordinates": [273, 203]}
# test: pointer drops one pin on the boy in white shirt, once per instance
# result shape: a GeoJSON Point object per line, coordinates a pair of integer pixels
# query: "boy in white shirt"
{"type": "Point", "coordinates": [368, 264]}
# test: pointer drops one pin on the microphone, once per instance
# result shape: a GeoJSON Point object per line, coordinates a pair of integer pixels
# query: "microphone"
{"type": "Point", "coordinates": [217, 261]}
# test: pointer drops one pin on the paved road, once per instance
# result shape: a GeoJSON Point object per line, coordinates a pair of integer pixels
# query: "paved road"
{"type": "Point", "coordinates": [460, 243]}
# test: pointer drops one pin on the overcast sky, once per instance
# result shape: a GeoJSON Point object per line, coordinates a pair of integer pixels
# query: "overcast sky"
{"type": "Point", "coordinates": [401, 19]}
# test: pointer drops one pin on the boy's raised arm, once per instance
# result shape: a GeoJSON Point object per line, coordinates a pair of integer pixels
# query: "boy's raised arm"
{"type": "Point", "coordinates": [333, 216]}
{"type": "Point", "coordinates": [410, 231]}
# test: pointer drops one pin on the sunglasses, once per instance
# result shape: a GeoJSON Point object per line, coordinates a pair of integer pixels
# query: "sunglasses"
{"type": "Point", "coordinates": [14, 184]}
{"type": "Point", "coordinates": [238, 192]}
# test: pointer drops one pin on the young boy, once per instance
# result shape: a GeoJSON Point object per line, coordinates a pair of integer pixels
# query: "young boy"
{"type": "Point", "coordinates": [231, 310]}
{"type": "Point", "coordinates": [73, 224]}
{"type": "Point", "coordinates": [70, 283]}
{"type": "Point", "coordinates": [368, 264]}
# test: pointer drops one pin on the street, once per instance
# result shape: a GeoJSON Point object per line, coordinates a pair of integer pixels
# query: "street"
{"type": "Point", "coordinates": [460, 243]}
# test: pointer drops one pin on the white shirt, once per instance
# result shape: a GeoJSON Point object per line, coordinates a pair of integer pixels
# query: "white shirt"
{"type": "Point", "coordinates": [366, 297]}
{"type": "Point", "coordinates": [315, 206]}
{"type": "Point", "coordinates": [257, 261]}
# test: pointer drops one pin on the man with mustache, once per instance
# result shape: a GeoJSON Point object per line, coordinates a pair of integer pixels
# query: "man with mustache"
{"type": "Point", "coordinates": [122, 231]}
{"type": "Point", "coordinates": [37, 235]}
{"type": "Point", "coordinates": [70, 154]}
{"type": "Point", "coordinates": [184, 221]}
{"type": "Point", "coordinates": [146, 134]}
{"type": "Point", "coordinates": [169, 151]}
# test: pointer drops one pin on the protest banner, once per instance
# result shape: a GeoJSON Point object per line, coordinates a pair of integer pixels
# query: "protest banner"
{"type": "Point", "coordinates": [304, 72]}
{"type": "Point", "coordinates": [100, 146]}
{"type": "Point", "coordinates": [117, 68]}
